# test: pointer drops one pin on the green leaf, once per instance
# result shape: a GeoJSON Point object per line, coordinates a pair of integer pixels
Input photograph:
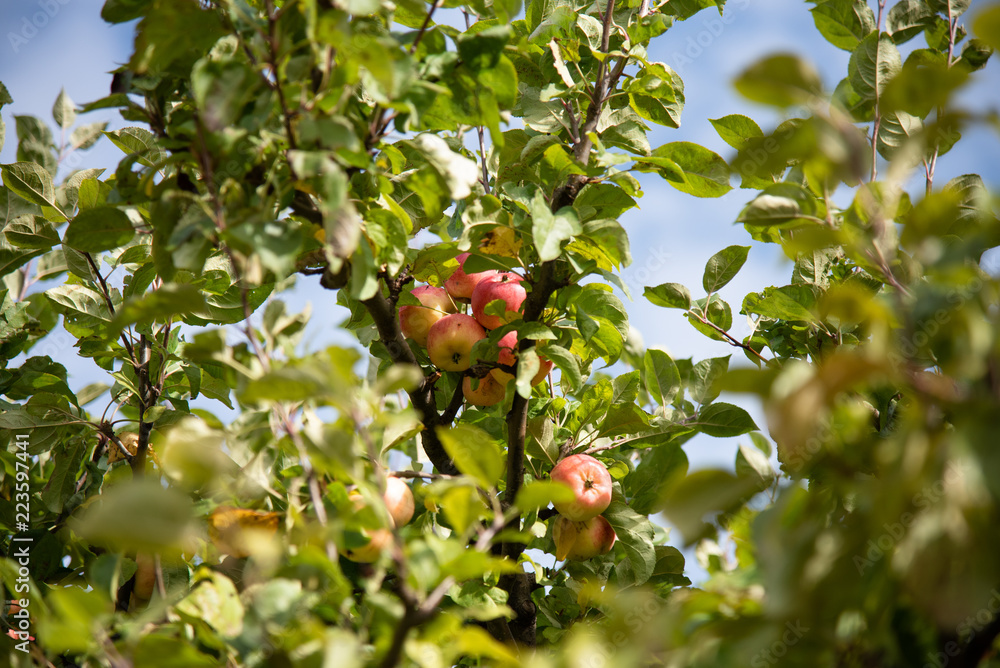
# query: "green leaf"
{"type": "Point", "coordinates": [64, 111]}
{"type": "Point", "coordinates": [528, 366]}
{"type": "Point", "coordinates": [571, 373]}
{"type": "Point", "coordinates": [668, 295]}
{"type": "Point", "coordinates": [214, 600]}
{"type": "Point", "coordinates": [722, 420]}
{"type": "Point", "coordinates": [663, 380]}
{"type": "Point", "coordinates": [222, 87]}
{"type": "Point", "coordinates": [736, 129]}
{"type": "Point", "coordinates": [635, 533]}
{"type": "Point", "coordinates": [657, 94]}
{"type": "Point", "coordinates": [782, 80]}
{"type": "Point", "coordinates": [166, 651]}
{"type": "Point", "coordinates": [474, 452]}
{"type": "Point", "coordinates": [31, 232]}
{"type": "Point", "coordinates": [172, 35]}
{"type": "Point", "coordinates": [895, 130]}
{"type": "Point", "coordinates": [458, 172]}
{"type": "Point", "coordinates": [716, 311]}
{"type": "Point", "coordinates": [540, 493]}
{"type": "Point", "coordinates": [704, 377]}
{"type": "Point", "coordinates": [30, 181]}
{"type": "Point", "coordinates": [907, 19]}
{"type": "Point", "coordinates": [702, 172]}
{"type": "Point", "coordinates": [139, 141]}
{"type": "Point", "coordinates": [685, 9]}
{"type": "Point", "coordinates": [922, 85]}
{"type": "Point", "coordinates": [723, 266]}
{"type": "Point", "coordinates": [121, 11]}
{"type": "Point", "coordinates": [602, 321]}
{"type": "Point", "coordinates": [783, 206]}
{"type": "Point", "coordinates": [62, 481]}
{"type": "Point", "coordinates": [169, 300]}
{"type": "Point", "coordinates": [779, 303]}
{"type": "Point", "coordinates": [137, 515]}
{"type": "Point", "coordinates": [656, 472]}
{"type": "Point", "coordinates": [873, 64]}
{"type": "Point", "coordinates": [752, 462]}
{"type": "Point", "coordinates": [702, 494]}
{"type": "Point", "coordinates": [648, 27]}
{"type": "Point", "coordinates": [986, 25]}
{"type": "Point", "coordinates": [84, 308]}
{"type": "Point", "coordinates": [99, 229]}
{"type": "Point", "coordinates": [550, 230]}
{"type": "Point", "coordinates": [844, 23]}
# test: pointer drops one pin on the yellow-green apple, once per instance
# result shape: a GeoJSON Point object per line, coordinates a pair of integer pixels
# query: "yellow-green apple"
{"type": "Point", "coordinates": [415, 321]}
{"type": "Point", "coordinates": [504, 286]}
{"type": "Point", "coordinates": [450, 341]}
{"type": "Point", "coordinates": [145, 576]}
{"type": "Point", "coordinates": [582, 540]}
{"type": "Point", "coordinates": [591, 485]}
{"type": "Point", "coordinates": [508, 355]}
{"type": "Point", "coordinates": [488, 393]}
{"type": "Point", "coordinates": [398, 500]}
{"type": "Point", "coordinates": [460, 285]}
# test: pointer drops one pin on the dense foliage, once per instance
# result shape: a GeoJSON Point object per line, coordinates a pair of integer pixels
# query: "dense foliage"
{"type": "Point", "coordinates": [364, 146]}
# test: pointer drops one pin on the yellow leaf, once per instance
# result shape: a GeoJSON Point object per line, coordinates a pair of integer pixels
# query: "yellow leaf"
{"type": "Point", "coordinates": [235, 530]}
{"type": "Point", "coordinates": [501, 241]}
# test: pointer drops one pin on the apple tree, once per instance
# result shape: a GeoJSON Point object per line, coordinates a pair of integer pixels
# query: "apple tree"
{"type": "Point", "coordinates": [472, 480]}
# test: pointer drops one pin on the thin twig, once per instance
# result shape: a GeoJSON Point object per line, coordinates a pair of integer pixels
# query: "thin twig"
{"type": "Point", "coordinates": [272, 47]}
{"type": "Point", "coordinates": [878, 118]}
{"type": "Point", "coordinates": [729, 337]}
{"type": "Point", "coordinates": [106, 293]}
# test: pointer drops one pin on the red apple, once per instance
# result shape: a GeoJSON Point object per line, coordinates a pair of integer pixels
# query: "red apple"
{"type": "Point", "coordinates": [582, 540]}
{"type": "Point", "coordinates": [415, 321]}
{"type": "Point", "coordinates": [591, 485]}
{"type": "Point", "coordinates": [508, 355]}
{"type": "Point", "coordinates": [450, 341]}
{"type": "Point", "coordinates": [504, 286]}
{"type": "Point", "coordinates": [378, 539]}
{"type": "Point", "coordinates": [398, 500]}
{"type": "Point", "coordinates": [460, 285]}
{"type": "Point", "coordinates": [488, 393]}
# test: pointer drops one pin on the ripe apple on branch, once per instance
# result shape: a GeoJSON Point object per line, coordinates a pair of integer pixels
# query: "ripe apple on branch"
{"type": "Point", "coordinates": [399, 503]}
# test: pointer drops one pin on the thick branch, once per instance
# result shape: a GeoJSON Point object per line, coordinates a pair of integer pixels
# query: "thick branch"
{"type": "Point", "coordinates": [543, 286]}
{"type": "Point", "coordinates": [422, 398]}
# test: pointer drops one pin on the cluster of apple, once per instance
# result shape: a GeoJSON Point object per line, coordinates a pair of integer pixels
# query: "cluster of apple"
{"type": "Point", "coordinates": [399, 502]}
{"type": "Point", "coordinates": [581, 532]}
{"type": "Point", "coordinates": [449, 335]}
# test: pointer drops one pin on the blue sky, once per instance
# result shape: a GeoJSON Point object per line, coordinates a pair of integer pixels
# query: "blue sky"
{"type": "Point", "coordinates": [672, 235]}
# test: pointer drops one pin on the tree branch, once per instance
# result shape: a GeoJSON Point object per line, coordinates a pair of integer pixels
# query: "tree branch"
{"type": "Point", "coordinates": [729, 337]}
{"type": "Point", "coordinates": [453, 406]}
{"type": "Point", "coordinates": [383, 312]}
